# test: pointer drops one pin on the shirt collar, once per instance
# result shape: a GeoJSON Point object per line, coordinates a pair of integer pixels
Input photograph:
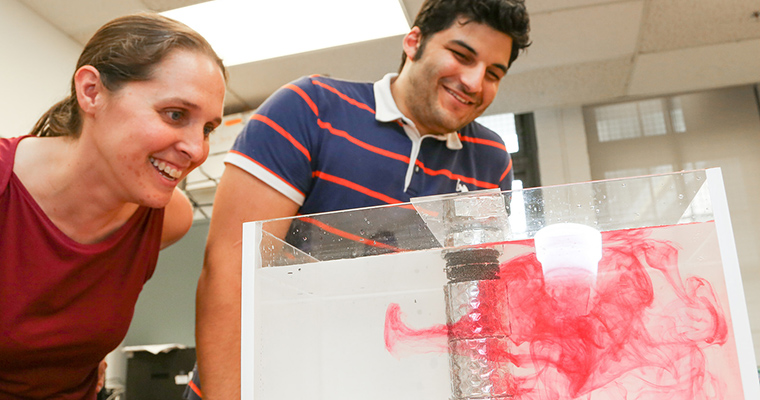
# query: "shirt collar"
{"type": "Point", "coordinates": [386, 110]}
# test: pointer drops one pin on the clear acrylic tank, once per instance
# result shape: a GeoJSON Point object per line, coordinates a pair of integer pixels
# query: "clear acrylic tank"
{"type": "Point", "coordinates": [445, 298]}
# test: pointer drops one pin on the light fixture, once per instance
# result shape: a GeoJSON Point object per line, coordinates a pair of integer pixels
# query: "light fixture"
{"type": "Point", "coordinates": [243, 31]}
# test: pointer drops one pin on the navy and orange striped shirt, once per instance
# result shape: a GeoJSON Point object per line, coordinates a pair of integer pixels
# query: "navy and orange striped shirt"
{"type": "Point", "coordinates": [330, 144]}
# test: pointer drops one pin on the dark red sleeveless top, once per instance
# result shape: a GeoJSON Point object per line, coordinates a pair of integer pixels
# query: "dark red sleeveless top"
{"type": "Point", "coordinates": [63, 305]}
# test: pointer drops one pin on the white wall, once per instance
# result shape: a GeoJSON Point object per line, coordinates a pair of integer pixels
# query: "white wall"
{"type": "Point", "coordinates": [562, 152]}
{"type": "Point", "coordinates": [36, 67]}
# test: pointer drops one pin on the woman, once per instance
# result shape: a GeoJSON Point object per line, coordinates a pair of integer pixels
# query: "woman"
{"type": "Point", "coordinates": [89, 198]}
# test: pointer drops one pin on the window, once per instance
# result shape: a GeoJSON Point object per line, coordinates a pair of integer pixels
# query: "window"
{"type": "Point", "coordinates": [714, 128]}
{"type": "Point", "coordinates": [640, 118]}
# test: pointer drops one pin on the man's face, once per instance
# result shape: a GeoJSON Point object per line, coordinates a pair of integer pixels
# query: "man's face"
{"type": "Point", "coordinates": [457, 76]}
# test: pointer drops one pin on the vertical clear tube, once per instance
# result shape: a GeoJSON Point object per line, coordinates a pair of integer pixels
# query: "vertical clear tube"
{"type": "Point", "coordinates": [476, 299]}
{"type": "Point", "coordinates": [478, 325]}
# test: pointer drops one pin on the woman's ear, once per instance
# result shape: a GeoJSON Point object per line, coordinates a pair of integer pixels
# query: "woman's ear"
{"type": "Point", "coordinates": [89, 88]}
{"type": "Point", "coordinates": [412, 42]}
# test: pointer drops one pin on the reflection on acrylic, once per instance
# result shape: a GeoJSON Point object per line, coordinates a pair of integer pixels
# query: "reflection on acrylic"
{"type": "Point", "coordinates": [650, 327]}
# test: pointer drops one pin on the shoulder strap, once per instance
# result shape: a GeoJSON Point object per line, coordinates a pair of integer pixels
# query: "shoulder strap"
{"type": "Point", "coordinates": [7, 155]}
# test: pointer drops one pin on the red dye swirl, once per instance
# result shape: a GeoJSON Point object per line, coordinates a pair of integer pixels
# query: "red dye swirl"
{"type": "Point", "coordinates": [623, 337]}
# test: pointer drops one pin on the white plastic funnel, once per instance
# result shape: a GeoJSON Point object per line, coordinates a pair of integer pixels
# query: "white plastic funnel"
{"type": "Point", "coordinates": [568, 248]}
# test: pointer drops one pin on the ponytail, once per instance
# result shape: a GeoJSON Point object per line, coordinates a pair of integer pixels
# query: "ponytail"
{"type": "Point", "coordinates": [62, 119]}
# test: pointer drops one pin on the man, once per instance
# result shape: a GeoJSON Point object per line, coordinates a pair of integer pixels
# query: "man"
{"type": "Point", "coordinates": [321, 144]}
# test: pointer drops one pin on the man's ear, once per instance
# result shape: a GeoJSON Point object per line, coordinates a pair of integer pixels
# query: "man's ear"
{"type": "Point", "coordinates": [412, 42]}
{"type": "Point", "coordinates": [89, 88]}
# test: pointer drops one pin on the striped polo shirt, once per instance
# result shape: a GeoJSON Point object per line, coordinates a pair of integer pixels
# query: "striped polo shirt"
{"type": "Point", "coordinates": [331, 144]}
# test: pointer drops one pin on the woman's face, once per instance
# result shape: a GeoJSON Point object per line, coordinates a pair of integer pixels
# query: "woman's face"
{"type": "Point", "coordinates": [151, 134]}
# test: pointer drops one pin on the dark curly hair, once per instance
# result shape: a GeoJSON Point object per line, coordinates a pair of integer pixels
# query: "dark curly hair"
{"type": "Point", "coordinates": [507, 16]}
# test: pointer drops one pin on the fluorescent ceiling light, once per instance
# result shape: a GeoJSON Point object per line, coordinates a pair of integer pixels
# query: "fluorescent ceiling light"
{"type": "Point", "coordinates": [243, 31]}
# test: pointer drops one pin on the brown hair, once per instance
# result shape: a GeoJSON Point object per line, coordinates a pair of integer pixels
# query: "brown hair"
{"type": "Point", "coordinates": [123, 50]}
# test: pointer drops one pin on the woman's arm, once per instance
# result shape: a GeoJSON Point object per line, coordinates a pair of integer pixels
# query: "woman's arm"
{"type": "Point", "coordinates": [178, 218]}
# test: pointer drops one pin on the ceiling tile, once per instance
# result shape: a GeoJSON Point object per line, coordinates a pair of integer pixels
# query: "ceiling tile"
{"type": "Point", "coordinates": [673, 24]}
{"type": "Point", "coordinates": [577, 44]}
{"type": "Point", "coordinates": [697, 68]}
{"type": "Point", "coordinates": [165, 5]}
{"type": "Point", "coordinates": [81, 18]}
{"type": "Point", "coordinates": [539, 6]}
{"type": "Point", "coordinates": [570, 85]}
{"type": "Point", "coordinates": [581, 35]}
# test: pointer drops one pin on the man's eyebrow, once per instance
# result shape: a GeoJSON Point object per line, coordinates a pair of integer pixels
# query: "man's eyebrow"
{"type": "Point", "coordinates": [474, 52]}
{"type": "Point", "coordinates": [464, 44]}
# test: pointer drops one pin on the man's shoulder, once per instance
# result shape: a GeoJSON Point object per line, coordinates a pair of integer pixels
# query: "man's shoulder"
{"type": "Point", "coordinates": [327, 91]}
{"type": "Point", "coordinates": [328, 80]}
{"type": "Point", "coordinates": [335, 85]}
{"type": "Point", "coordinates": [315, 89]}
